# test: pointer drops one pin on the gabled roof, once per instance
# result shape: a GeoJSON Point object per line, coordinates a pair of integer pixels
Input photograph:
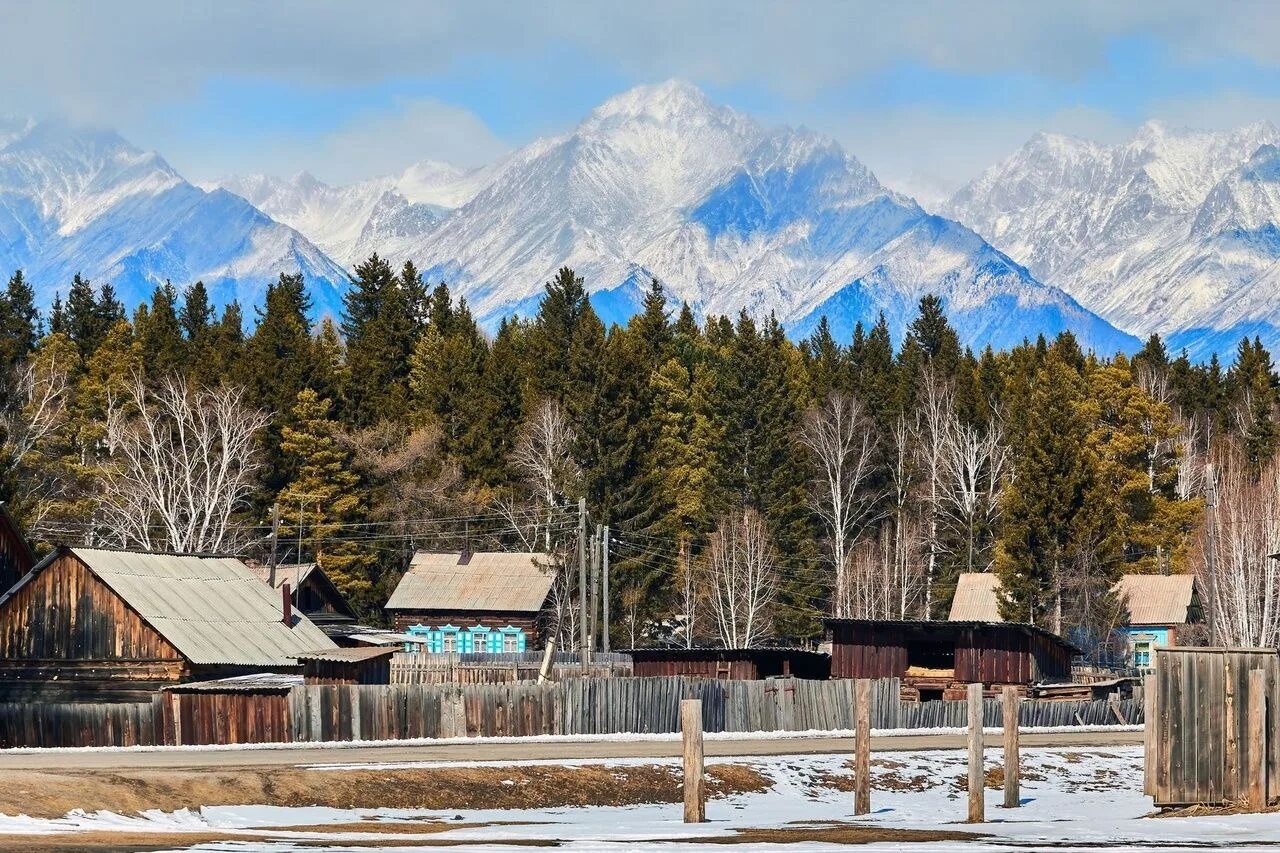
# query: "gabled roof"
{"type": "Point", "coordinates": [1158, 599]}
{"type": "Point", "coordinates": [14, 548]}
{"type": "Point", "coordinates": [296, 574]}
{"type": "Point", "coordinates": [478, 582]}
{"type": "Point", "coordinates": [1150, 599]}
{"type": "Point", "coordinates": [214, 610]}
{"type": "Point", "coordinates": [975, 598]}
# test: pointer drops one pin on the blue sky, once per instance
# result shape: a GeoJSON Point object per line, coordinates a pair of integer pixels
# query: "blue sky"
{"type": "Point", "coordinates": [927, 93]}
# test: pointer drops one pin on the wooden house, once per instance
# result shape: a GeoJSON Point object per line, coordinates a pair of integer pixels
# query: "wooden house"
{"type": "Point", "coordinates": [730, 664]}
{"type": "Point", "coordinates": [103, 625]}
{"type": "Point", "coordinates": [367, 665]}
{"type": "Point", "coordinates": [16, 556]}
{"type": "Point", "coordinates": [937, 660]}
{"type": "Point", "coordinates": [472, 602]}
{"type": "Point", "coordinates": [1158, 607]}
{"type": "Point", "coordinates": [314, 594]}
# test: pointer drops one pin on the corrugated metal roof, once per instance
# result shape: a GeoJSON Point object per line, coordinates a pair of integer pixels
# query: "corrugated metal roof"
{"type": "Point", "coordinates": [488, 581]}
{"type": "Point", "coordinates": [292, 573]}
{"type": "Point", "coordinates": [352, 655]}
{"type": "Point", "coordinates": [214, 610]}
{"type": "Point", "coordinates": [1151, 599]}
{"type": "Point", "coordinates": [975, 598]}
{"type": "Point", "coordinates": [1157, 599]}
{"type": "Point", "coordinates": [258, 682]}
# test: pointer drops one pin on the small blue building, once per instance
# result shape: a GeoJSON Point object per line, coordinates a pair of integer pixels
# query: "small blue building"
{"type": "Point", "coordinates": [478, 639]}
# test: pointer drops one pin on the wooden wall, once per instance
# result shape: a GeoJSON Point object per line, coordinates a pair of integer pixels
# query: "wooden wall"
{"type": "Point", "coordinates": [16, 558]}
{"type": "Point", "coordinates": [740, 669]}
{"type": "Point", "coordinates": [234, 716]}
{"type": "Point", "coordinates": [372, 671]}
{"type": "Point", "coordinates": [868, 651]}
{"type": "Point", "coordinates": [66, 635]}
{"type": "Point", "coordinates": [1201, 727]}
{"type": "Point", "coordinates": [402, 620]}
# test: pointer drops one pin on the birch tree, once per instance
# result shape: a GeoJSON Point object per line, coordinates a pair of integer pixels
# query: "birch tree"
{"type": "Point", "coordinates": [181, 463]}
{"type": "Point", "coordinates": [974, 463]}
{"type": "Point", "coordinates": [741, 579]}
{"type": "Point", "coordinates": [839, 435]}
{"type": "Point", "coordinates": [1239, 579]}
{"type": "Point", "coordinates": [544, 459]}
{"type": "Point", "coordinates": [40, 394]}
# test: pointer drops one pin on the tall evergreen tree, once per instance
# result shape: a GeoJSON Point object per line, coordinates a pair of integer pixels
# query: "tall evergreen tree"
{"type": "Point", "coordinates": [380, 329]}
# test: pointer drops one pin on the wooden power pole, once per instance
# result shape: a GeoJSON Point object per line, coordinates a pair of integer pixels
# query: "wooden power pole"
{"type": "Point", "coordinates": [275, 537]}
{"type": "Point", "coordinates": [582, 578]}
{"type": "Point", "coordinates": [604, 602]}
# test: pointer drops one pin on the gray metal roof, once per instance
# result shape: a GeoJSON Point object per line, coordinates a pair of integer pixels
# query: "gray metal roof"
{"type": "Point", "coordinates": [484, 582]}
{"type": "Point", "coordinates": [352, 655]}
{"type": "Point", "coordinates": [214, 610]}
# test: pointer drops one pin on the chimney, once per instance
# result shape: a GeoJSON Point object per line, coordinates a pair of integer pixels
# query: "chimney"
{"type": "Point", "coordinates": [287, 604]}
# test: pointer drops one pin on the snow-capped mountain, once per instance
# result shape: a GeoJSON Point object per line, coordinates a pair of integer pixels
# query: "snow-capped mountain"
{"type": "Point", "coordinates": [659, 181]}
{"type": "Point", "coordinates": [389, 215]}
{"type": "Point", "coordinates": [74, 200]}
{"type": "Point", "coordinates": [1176, 232]}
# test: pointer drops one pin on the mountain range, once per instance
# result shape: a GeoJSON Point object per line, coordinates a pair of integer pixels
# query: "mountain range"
{"type": "Point", "coordinates": [1173, 232]}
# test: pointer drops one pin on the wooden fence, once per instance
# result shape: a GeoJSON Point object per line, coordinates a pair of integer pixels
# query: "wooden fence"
{"type": "Point", "coordinates": [575, 706]}
{"type": "Point", "coordinates": [422, 668]}
{"type": "Point", "coordinates": [81, 724]}
{"type": "Point", "coordinates": [1201, 726]}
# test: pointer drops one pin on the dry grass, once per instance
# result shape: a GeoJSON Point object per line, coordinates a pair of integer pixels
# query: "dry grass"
{"type": "Point", "coordinates": [107, 841]}
{"type": "Point", "coordinates": [41, 793]}
{"type": "Point", "coordinates": [1237, 807]}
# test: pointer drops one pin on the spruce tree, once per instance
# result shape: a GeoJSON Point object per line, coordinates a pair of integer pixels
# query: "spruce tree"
{"type": "Point", "coordinates": [159, 333]}
{"type": "Point", "coordinates": [19, 324]}
{"type": "Point", "coordinates": [380, 329]}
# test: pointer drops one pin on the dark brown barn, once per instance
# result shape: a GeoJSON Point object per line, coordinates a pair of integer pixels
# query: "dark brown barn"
{"type": "Point", "coordinates": [98, 625]}
{"type": "Point", "coordinates": [730, 664]}
{"type": "Point", "coordinates": [490, 589]}
{"type": "Point", "coordinates": [368, 665]}
{"type": "Point", "coordinates": [314, 595]}
{"type": "Point", "coordinates": [16, 556]}
{"type": "Point", "coordinates": [935, 660]}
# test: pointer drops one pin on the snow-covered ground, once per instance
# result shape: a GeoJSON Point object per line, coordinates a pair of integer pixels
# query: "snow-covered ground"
{"type": "Point", "coordinates": [1073, 799]}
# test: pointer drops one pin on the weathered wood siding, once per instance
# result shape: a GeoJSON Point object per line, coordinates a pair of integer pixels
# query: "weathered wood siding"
{"type": "Point", "coordinates": [868, 651]}
{"type": "Point", "coordinates": [66, 635]}
{"type": "Point", "coordinates": [208, 717]}
{"type": "Point", "coordinates": [372, 671]}
{"type": "Point", "coordinates": [16, 558]}
{"type": "Point", "coordinates": [424, 668]}
{"type": "Point", "coordinates": [1201, 746]}
{"type": "Point", "coordinates": [41, 724]}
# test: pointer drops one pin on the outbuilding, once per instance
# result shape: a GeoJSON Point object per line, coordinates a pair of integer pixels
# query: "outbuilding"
{"type": "Point", "coordinates": [92, 624]}
{"type": "Point", "coordinates": [314, 595]}
{"type": "Point", "coordinates": [366, 665]}
{"type": "Point", "coordinates": [16, 556]}
{"type": "Point", "coordinates": [472, 602]}
{"type": "Point", "coordinates": [937, 660]}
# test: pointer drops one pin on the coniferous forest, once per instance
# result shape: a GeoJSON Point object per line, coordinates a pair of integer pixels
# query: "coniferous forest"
{"type": "Point", "coordinates": [752, 484]}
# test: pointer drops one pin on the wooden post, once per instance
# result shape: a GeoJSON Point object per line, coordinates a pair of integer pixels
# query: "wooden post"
{"type": "Point", "coordinates": [1149, 734]}
{"type": "Point", "coordinates": [977, 779]}
{"type": "Point", "coordinates": [604, 600]}
{"type": "Point", "coordinates": [1011, 761]}
{"type": "Point", "coordinates": [582, 581]}
{"type": "Point", "coordinates": [175, 706]}
{"type": "Point", "coordinates": [544, 672]}
{"type": "Point", "coordinates": [862, 746]}
{"type": "Point", "coordinates": [695, 795]}
{"type": "Point", "coordinates": [1257, 740]}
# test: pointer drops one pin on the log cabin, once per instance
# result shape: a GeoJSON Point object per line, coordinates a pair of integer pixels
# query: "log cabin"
{"type": "Point", "coordinates": [472, 602]}
{"type": "Point", "coordinates": [91, 624]}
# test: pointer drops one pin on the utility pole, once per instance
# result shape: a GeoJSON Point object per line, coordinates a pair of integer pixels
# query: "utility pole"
{"type": "Point", "coordinates": [582, 577]}
{"type": "Point", "coordinates": [604, 618]}
{"type": "Point", "coordinates": [275, 535]}
{"type": "Point", "coordinates": [594, 632]}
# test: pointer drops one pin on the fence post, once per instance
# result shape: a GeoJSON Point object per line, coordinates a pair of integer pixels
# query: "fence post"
{"type": "Point", "coordinates": [1149, 734]}
{"type": "Point", "coordinates": [862, 746]}
{"type": "Point", "coordinates": [695, 803]}
{"type": "Point", "coordinates": [977, 780]}
{"type": "Point", "coordinates": [1257, 740]}
{"type": "Point", "coordinates": [1011, 761]}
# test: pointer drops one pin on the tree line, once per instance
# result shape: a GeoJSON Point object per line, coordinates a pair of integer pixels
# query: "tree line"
{"type": "Point", "coordinates": [753, 484]}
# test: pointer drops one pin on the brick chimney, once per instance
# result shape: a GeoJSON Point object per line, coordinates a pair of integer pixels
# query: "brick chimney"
{"type": "Point", "coordinates": [287, 604]}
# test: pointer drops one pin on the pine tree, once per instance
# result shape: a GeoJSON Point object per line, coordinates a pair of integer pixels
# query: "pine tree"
{"type": "Point", "coordinates": [19, 324]}
{"type": "Point", "coordinates": [446, 373]}
{"type": "Point", "coordinates": [322, 500]}
{"type": "Point", "coordinates": [159, 332]}
{"type": "Point", "coordinates": [197, 313]}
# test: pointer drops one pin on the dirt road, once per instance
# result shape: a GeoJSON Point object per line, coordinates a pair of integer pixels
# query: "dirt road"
{"type": "Point", "coordinates": [222, 759]}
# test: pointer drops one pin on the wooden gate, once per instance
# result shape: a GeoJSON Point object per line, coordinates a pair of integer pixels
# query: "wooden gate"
{"type": "Point", "coordinates": [1201, 726]}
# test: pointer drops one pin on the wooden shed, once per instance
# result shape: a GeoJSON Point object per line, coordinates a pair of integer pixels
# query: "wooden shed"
{"type": "Point", "coordinates": [366, 665]}
{"type": "Point", "coordinates": [250, 708]}
{"type": "Point", "coordinates": [936, 660]}
{"type": "Point", "coordinates": [16, 556]}
{"type": "Point", "coordinates": [457, 601]}
{"type": "Point", "coordinates": [91, 624]}
{"type": "Point", "coordinates": [730, 664]}
{"type": "Point", "coordinates": [314, 594]}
